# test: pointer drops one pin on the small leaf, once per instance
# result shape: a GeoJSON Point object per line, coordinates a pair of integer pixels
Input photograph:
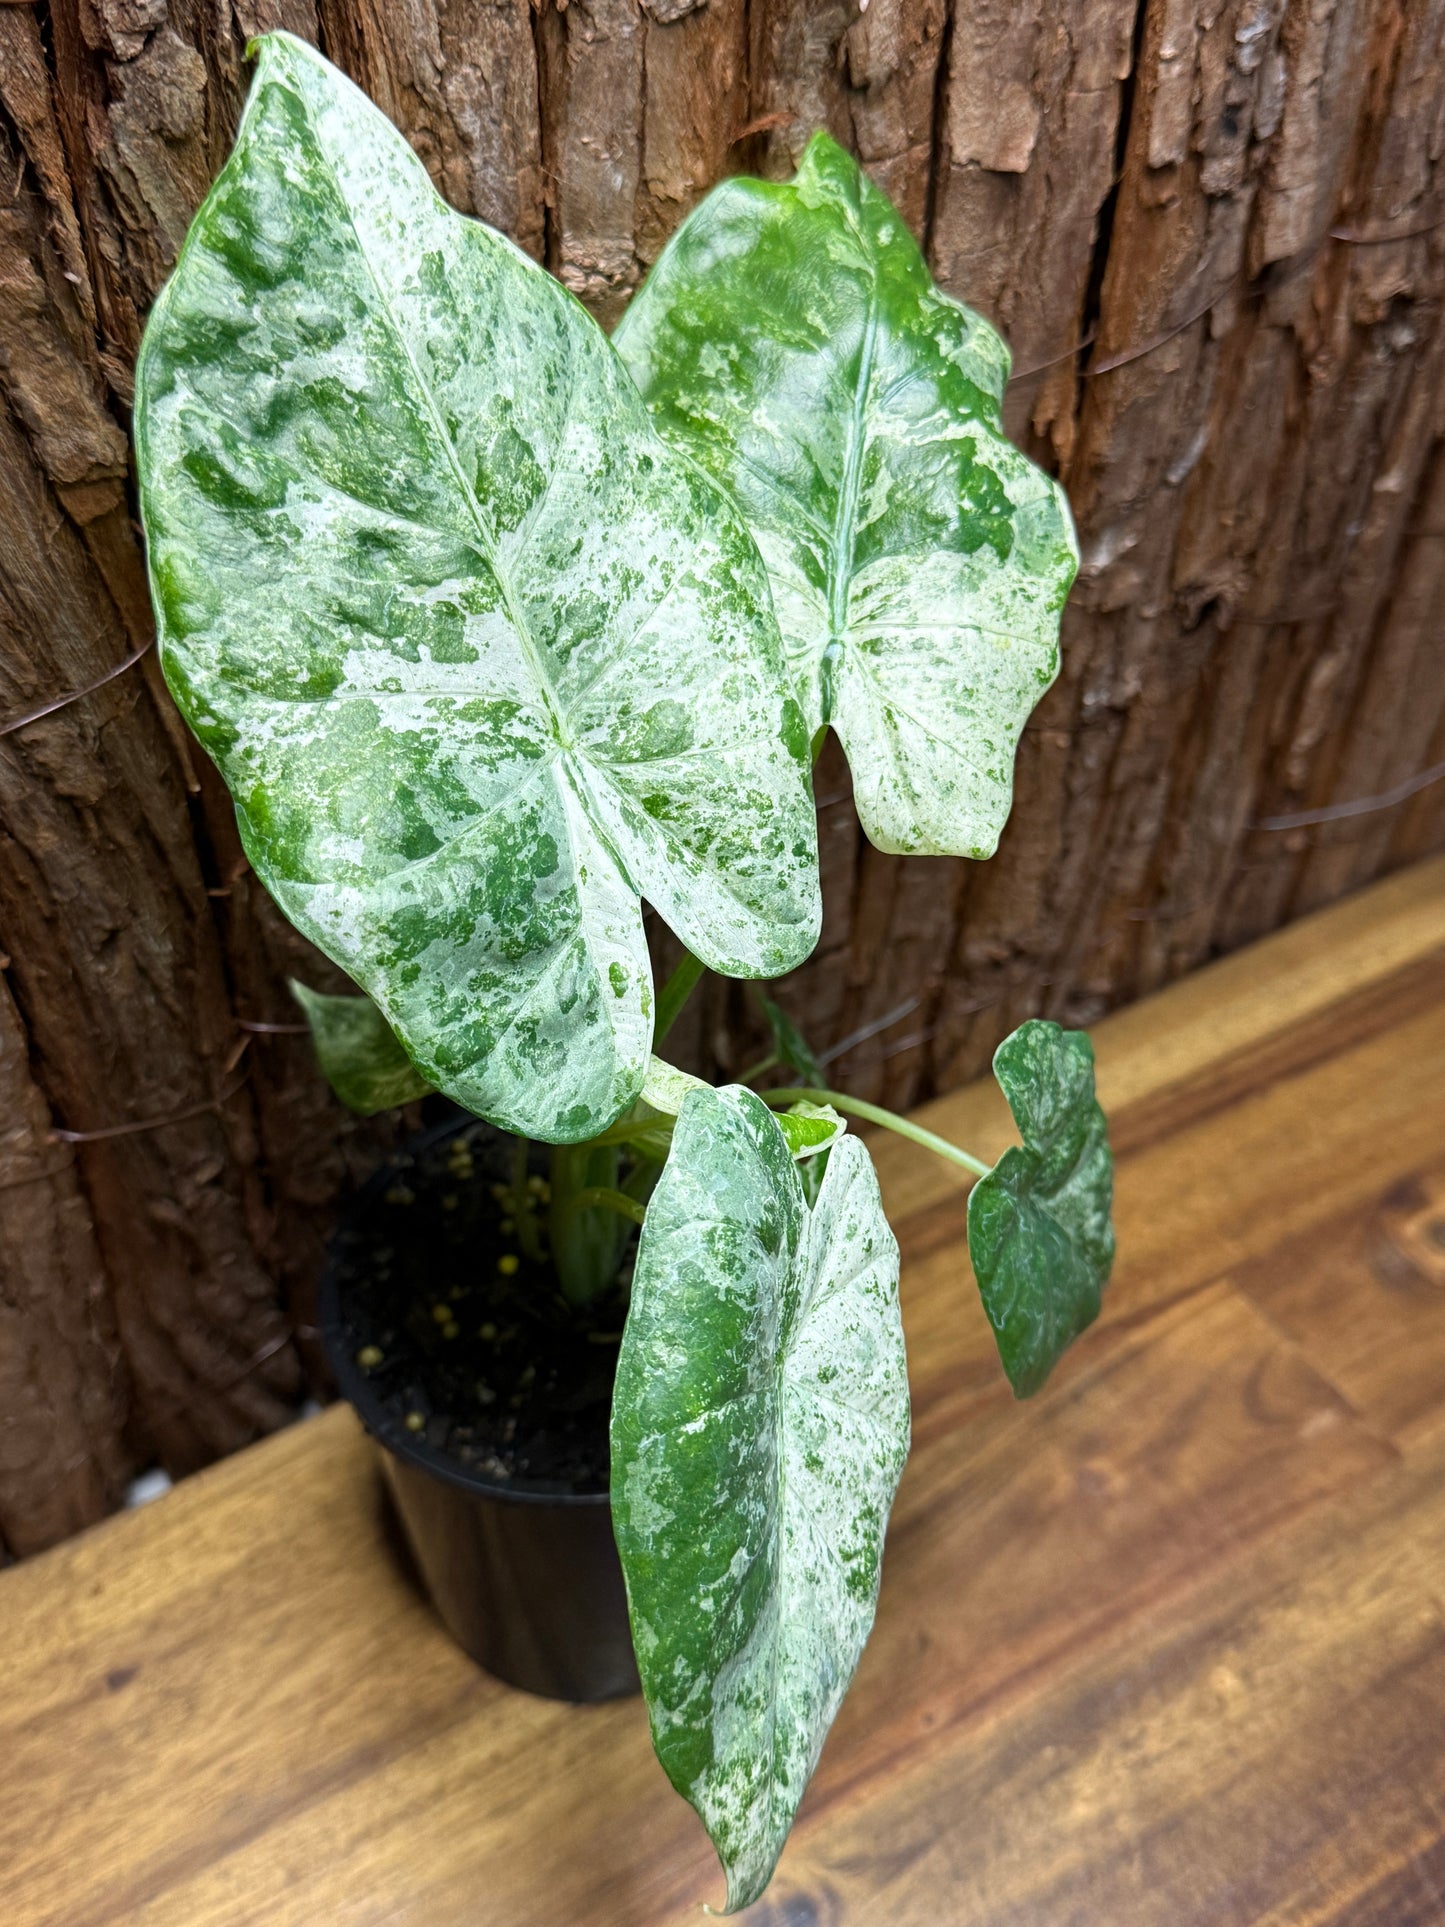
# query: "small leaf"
{"type": "Point", "coordinates": [482, 661]}
{"type": "Point", "coordinates": [791, 337]}
{"type": "Point", "coordinates": [759, 1426]}
{"type": "Point", "coordinates": [809, 1129]}
{"type": "Point", "coordinates": [790, 1044]}
{"type": "Point", "coordinates": [1039, 1231]}
{"type": "Point", "coordinates": [359, 1053]}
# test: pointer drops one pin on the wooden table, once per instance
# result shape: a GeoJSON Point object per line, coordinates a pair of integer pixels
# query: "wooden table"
{"type": "Point", "coordinates": [1166, 1645]}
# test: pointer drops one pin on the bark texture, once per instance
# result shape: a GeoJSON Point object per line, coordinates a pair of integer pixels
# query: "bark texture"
{"type": "Point", "coordinates": [1214, 233]}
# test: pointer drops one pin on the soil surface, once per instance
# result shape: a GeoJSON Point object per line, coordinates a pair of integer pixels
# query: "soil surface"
{"type": "Point", "coordinates": [467, 1342]}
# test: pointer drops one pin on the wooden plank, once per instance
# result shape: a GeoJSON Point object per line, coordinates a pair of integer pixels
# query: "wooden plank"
{"type": "Point", "coordinates": [292, 1772]}
{"type": "Point", "coordinates": [1136, 1637]}
{"type": "Point", "coordinates": [1024, 1537]}
{"type": "Point", "coordinates": [1268, 1754]}
{"type": "Point", "coordinates": [261, 1699]}
{"type": "Point", "coordinates": [1363, 1293]}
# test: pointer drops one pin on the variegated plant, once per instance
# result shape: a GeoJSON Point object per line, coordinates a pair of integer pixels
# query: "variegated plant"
{"type": "Point", "coordinates": [495, 629]}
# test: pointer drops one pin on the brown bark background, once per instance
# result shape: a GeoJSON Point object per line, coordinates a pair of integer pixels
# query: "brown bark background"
{"type": "Point", "coordinates": [1212, 231]}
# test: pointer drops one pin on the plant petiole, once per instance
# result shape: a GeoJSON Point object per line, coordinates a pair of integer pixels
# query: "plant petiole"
{"type": "Point", "coordinates": [522, 1205]}
{"type": "Point", "coordinates": [768, 1063]}
{"type": "Point", "coordinates": [875, 1114]}
{"type": "Point", "coordinates": [603, 1197]}
{"type": "Point", "coordinates": [675, 993]}
{"type": "Point", "coordinates": [640, 1132]}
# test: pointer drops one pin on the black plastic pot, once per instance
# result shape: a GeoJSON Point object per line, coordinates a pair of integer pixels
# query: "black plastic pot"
{"type": "Point", "coordinates": [528, 1583]}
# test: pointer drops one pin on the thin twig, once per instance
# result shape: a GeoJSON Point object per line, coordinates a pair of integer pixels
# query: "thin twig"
{"type": "Point", "coordinates": [147, 1123]}
{"type": "Point", "coordinates": [865, 1031]}
{"type": "Point", "coordinates": [1361, 806]}
{"type": "Point", "coordinates": [1351, 237]}
{"type": "Point", "coordinates": [1362, 238]}
{"type": "Point", "coordinates": [1067, 354]}
{"type": "Point", "coordinates": [74, 696]}
{"type": "Point", "coordinates": [1126, 355]}
{"type": "Point", "coordinates": [38, 1177]}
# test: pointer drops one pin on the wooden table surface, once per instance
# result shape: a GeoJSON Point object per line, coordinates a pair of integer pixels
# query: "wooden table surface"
{"type": "Point", "coordinates": [1165, 1645]}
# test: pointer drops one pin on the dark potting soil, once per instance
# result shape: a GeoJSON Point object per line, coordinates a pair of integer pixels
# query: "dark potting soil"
{"type": "Point", "coordinates": [467, 1343]}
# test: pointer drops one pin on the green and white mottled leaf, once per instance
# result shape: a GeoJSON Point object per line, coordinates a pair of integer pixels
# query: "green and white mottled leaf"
{"type": "Point", "coordinates": [810, 1129]}
{"type": "Point", "coordinates": [359, 1053]}
{"type": "Point", "coordinates": [481, 659]}
{"type": "Point", "coordinates": [790, 1044]}
{"type": "Point", "coordinates": [1039, 1231]}
{"type": "Point", "coordinates": [791, 338]}
{"type": "Point", "coordinates": [759, 1426]}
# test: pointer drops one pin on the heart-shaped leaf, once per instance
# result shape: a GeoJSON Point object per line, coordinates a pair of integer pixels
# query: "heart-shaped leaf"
{"type": "Point", "coordinates": [791, 337]}
{"type": "Point", "coordinates": [358, 1052]}
{"type": "Point", "coordinates": [759, 1426]}
{"type": "Point", "coordinates": [482, 661]}
{"type": "Point", "coordinates": [1039, 1232]}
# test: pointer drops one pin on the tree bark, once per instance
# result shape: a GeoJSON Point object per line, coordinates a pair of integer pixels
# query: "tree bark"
{"type": "Point", "coordinates": [1213, 234]}
{"type": "Point", "coordinates": [63, 1395]}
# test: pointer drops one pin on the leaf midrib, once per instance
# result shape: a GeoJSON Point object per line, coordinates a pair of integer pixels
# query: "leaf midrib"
{"type": "Point", "coordinates": [486, 534]}
{"type": "Point", "coordinates": [845, 520]}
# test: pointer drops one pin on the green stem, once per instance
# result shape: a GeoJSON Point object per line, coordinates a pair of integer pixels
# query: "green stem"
{"type": "Point", "coordinates": [518, 1174]}
{"type": "Point", "coordinates": [602, 1197]}
{"type": "Point", "coordinates": [586, 1245]}
{"type": "Point", "coordinates": [635, 1130]}
{"type": "Point", "coordinates": [767, 1063]}
{"type": "Point", "coordinates": [875, 1114]}
{"type": "Point", "coordinates": [523, 1205]}
{"type": "Point", "coordinates": [675, 993]}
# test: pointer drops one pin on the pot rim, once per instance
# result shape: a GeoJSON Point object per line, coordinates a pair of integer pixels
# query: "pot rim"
{"type": "Point", "coordinates": [355, 1386]}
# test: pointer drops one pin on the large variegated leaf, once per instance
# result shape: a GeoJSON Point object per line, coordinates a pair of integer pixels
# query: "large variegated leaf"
{"type": "Point", "coordinates": [759, 1426]}
{"type": "Point", "coordinates": [482, 661]}
{"type": "Point", "coordinates": [1039, 1230]}
{"type": "Point", "coordinates": [790, 336]}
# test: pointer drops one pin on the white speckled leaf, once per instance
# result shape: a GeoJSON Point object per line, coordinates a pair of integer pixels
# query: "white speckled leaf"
{"type": "Point", "coordinates": [759, 1427]}
{"type": "Point", "coordinates": [482, 661]}
{"type": "Point", "coordinates": [359, 1053]}
{"type": "Point", "coordinates": [791, 337]}
{"type": "Point", "coordinates": [1040, 1234]}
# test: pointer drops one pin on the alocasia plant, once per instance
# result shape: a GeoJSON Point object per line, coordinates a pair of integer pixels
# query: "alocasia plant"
{"type": "Point", "coordinates": [475, 611]}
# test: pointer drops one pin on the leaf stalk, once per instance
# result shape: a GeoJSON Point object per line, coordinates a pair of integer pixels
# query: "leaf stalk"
{"type": "Point", "coordinates": [875, 1114]}
{"type": "Point", "coordinates": [675, 993]}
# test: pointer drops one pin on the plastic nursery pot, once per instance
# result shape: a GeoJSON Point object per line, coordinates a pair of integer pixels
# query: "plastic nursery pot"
{"type": "Point", "coordinates": [527, 1581]}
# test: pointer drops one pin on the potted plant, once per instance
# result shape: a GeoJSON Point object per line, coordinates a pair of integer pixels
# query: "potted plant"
{"type": "Point", "coordinates": [496, 628]}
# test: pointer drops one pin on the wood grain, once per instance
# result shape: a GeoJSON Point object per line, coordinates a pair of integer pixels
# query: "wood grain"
{"type": "Point", "coordinates": [1164, 1647]}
